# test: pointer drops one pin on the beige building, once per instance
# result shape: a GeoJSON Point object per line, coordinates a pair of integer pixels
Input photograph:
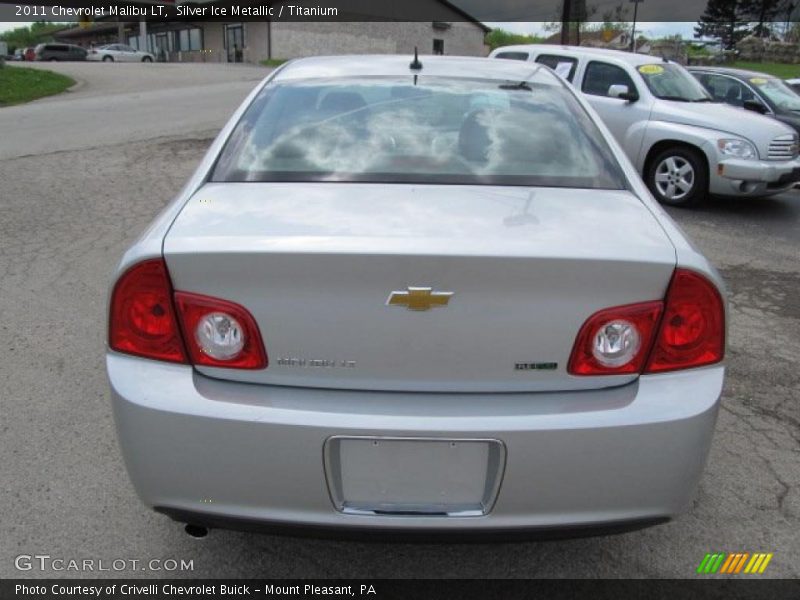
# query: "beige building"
{"type": "Point", "coordinates": [255, 41]}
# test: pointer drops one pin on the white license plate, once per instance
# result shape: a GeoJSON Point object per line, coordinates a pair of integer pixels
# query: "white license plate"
{"type": "Point", "coordinates": [414, 476]}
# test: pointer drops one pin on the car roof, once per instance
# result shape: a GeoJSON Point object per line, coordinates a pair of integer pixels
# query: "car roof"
{"type": "Point", "coordinates": [632, 58]}
{"type": "Point", "coordinates": [740, 73]}
{"type": "Point", "coordinates": [393, 64]}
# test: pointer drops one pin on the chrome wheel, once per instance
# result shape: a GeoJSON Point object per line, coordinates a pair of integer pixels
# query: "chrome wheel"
{"type": "Point", "coordinates": [674, 178]}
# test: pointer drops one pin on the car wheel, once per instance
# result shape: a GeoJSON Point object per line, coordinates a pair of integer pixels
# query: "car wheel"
{"type": "Point", "coordinates": [52, 59]}
{"type": "Point", "coordinates": [678, 176]}
{"type": "Point", "coordinates": [108, 59]}
{"type": "Point", "coordinates": [147, 59]}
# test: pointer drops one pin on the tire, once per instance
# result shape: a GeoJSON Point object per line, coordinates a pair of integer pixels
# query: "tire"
{"type": "Point", "coordinates": [147, 59]}
{"type": "Point", "coordinates": [678, 176]}
{"type": "Point", "coordinates": [52, 59]}
{"type": "Point", "coordinates": [108, 59]}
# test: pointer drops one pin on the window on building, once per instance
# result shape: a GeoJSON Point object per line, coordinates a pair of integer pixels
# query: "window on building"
{"type": "Point", "coordinates": [234, 42]}
{"type": "Point", "coordinates": [189, 40]}
{"type": "Point", "coordinates": [196, 39]}
{"type": "Point", "coordinates": [438, 46]}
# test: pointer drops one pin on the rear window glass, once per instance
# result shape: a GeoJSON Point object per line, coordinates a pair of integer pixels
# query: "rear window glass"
{"type": "Point", "coordinates": [418, 130]}
{"type": "Point", "coordinates": [563, 65]}
{"type": "Point", "coordinates": [512, 55]}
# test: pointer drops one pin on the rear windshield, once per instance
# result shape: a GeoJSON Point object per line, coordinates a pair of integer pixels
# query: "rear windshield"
{"type": "Point", "coordinates": [418, 130]}
{"type": "Point", "coordinates": [512, 55]}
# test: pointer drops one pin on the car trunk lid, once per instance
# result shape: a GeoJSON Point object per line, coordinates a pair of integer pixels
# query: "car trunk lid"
{"type": "Point", "coordinates": [317, 265]}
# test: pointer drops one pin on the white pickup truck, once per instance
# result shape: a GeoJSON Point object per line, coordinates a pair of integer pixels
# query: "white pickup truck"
{"type": "Point", "coordinates": [684, 144]}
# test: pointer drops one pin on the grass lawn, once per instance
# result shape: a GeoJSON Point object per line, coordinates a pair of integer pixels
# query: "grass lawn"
{"type": "Point", "coordinates": [777, 69]}
{"type": "Point", "coordinates": [20, 84]}
{"type": "Point", "coordinates": [273, 62]}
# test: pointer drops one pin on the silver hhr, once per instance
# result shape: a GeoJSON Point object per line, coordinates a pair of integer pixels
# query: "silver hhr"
{"type": "Point", "coordinates": [421, 296]}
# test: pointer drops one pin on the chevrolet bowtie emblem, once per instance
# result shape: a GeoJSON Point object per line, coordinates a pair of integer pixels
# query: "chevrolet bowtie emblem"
{"type": "Point", "coordinates": [419, 298]}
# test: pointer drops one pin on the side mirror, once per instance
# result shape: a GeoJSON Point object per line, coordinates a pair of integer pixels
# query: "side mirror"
{"type": "Point", "coordinates": [622, 92]}
{"type": "Point", "coordinates": [755, 106]}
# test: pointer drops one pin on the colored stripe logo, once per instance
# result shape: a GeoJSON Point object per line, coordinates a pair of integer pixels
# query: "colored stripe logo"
{"type": "Point", "coordinates": [734, 563]}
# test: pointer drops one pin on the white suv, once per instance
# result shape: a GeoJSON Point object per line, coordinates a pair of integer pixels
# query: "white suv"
{"type": "Point", "coordinates": [682, 143]}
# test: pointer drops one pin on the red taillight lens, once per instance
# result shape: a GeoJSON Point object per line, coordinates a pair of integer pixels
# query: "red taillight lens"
{"type": "Point", "coordinates": [219, 333]}
{"type": "Point", "coordinates": [142, 319]}
{"type": "Point", "coordinates": [692, 330]}
{"type": "Point", "coordinates": [638, 338]}
{"type": "Point", "coordinates": [616, 340]}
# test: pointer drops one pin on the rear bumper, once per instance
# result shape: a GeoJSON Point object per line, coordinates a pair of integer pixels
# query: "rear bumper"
{"type": "Point", "coordinates": [225, 453]}
{"type": "Point", "coordinates": [404, 534]}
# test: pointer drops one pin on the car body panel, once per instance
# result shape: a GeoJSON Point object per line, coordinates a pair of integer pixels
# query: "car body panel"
{"type": "Point", "coordinates": [577, 458]}
{"type": "Point", "coordinates": [509, 255]}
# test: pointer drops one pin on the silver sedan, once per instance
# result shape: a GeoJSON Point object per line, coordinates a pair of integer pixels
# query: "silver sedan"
{"type": "Point", "coordinates": [119, 53]}
{"type": "Point", "coordinates": [415, 295]}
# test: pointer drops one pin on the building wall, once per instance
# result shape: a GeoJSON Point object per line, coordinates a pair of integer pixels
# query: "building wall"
{"type": "Point", "coordinates": [213, 42]}
{"type": "Point", "coordinates": [256, 41]}
{"type": "Point", "coordinates": [296, 39]}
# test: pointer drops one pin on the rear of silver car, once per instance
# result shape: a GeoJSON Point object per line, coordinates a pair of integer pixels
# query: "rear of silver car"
{"type": "Point", "coordinates": [468, 350]}
{"type": "Point", "coordinates": [207, 450]}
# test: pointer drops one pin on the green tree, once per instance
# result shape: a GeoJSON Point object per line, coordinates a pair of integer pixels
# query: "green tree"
{"type": "Point", "coordinates": [500, 37]}
{"type": "Point", "coordinates": [583, 19]}
{"type": "Point", "coordinates": [764, 13]}
{"type": "Point", "coordinates": [726, 20]}
{"type": "Point", "coordinates": [31, 35]}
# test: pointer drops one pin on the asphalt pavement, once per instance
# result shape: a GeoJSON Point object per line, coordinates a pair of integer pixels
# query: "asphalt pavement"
{"type": "Point", "coordinates": [83, 173]}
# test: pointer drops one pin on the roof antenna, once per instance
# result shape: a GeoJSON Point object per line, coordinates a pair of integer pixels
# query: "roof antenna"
{"type": "Point", "coordinates": [415, 64]}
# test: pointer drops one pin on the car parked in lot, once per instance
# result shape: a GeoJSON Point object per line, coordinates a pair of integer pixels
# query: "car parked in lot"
{"type": "Point", "coordinates": [759, 92]}
{"type": "Point", "coordinates": [427, 296]}
{"type": "Point", "coordinates": [29, 54]}
{"type": "Point", "coordinates": [682, 143]}
{"type": "Point", "coordinates": [60, 52]}
{"type": "Point", "coordinates": [794, 84]}
{"type": "Point", "coordinates": [119, 53]}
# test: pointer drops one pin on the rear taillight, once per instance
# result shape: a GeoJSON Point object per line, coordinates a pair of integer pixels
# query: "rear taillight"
{"type": "Point", "coordinates": [616, 340]}
{"type": "Point", "coordinates": [142, 318]}
{"type": "Point", "coordinates": [144, 321]}
{"type": "Point", "coordinates": [219, 333]}
{"type": "Point", "coordinates": [686, 330]}
{"type": "Point", "coordinates": [692, 330]}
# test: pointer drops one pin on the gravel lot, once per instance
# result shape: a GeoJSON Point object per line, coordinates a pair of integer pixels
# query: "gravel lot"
{"type": "Point", "coordinates": [71, 202]}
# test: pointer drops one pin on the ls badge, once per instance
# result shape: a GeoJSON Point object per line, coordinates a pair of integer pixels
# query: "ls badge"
{"type": "Point", "coordinates": [419, 298]}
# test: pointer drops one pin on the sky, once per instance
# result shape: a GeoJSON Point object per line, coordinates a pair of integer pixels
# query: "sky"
{"type": "Point", "coordinates": [648, 29]}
